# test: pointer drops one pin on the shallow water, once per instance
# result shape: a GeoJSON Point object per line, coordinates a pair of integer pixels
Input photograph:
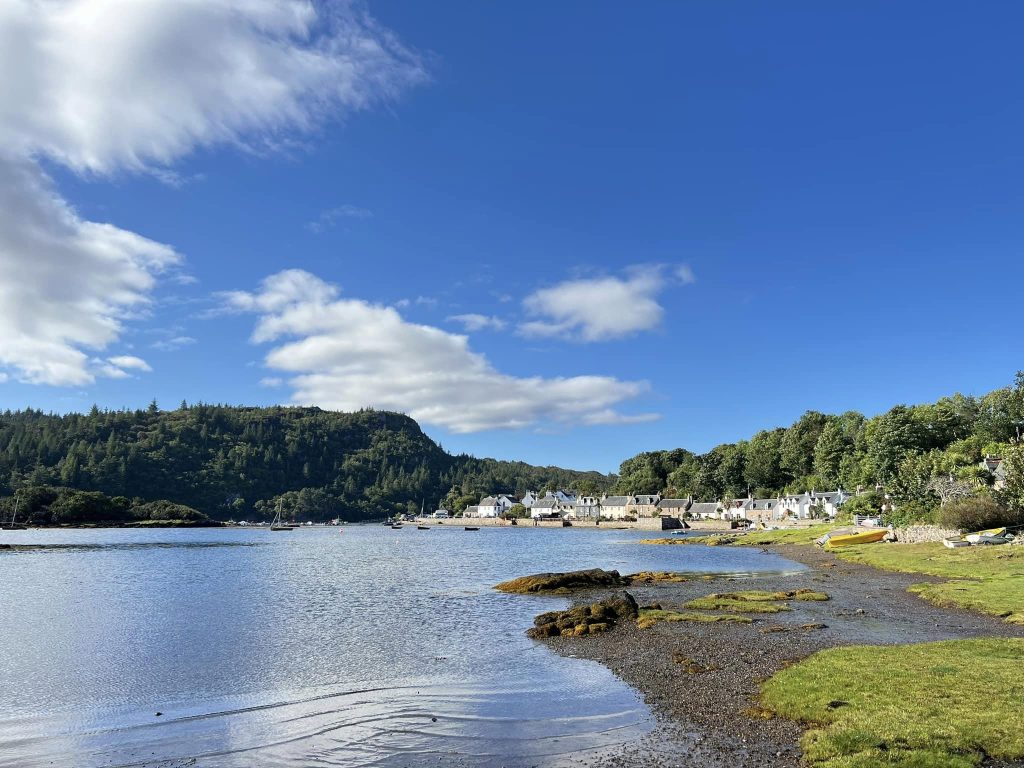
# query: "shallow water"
{"type": "Point", "coordinates": [369, 646]}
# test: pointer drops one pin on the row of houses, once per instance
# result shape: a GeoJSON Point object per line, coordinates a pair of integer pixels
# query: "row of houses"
{"type": "Point", "coordinates": [560, 504]}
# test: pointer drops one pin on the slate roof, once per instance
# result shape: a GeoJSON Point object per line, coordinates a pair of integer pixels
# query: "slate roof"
{"type": "Point", "coordinates": [616, 501]}
{"type": "Point", "coordinates": [648, 499]}
{"type": "Point", "coordinates": [548, 502]}
{"type": "Point", "coordinates": [763, 503]}
{"type": "Point", "coordinates": [680, 504]}
{"type": "Point", "coordinates": [488, 501]}
{"type": "Point", "coordinates": [704, 508]}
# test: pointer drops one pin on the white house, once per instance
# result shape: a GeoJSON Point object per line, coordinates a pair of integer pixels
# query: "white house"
{"type": "Point", "coordinates": [800, 505]}
{"type": "Point", "coordinates": [564, 497]}
{"type": "Point", "coordinates": [616, 507]}
{"type": "Point", "coordinates": [472, 511]}
{"type": "Point", "coordinates": [705, 510]}
{"type": "Point", "coordinates": [529, 499]}
{"type": "Point", "coordinates": [737, 509]}
{"type": "Point", "coordinates": [494, 506]}
{"type": "Point", "coordinates": [549, 507]}
{"type": "Point", "coordinates": [440, 514]}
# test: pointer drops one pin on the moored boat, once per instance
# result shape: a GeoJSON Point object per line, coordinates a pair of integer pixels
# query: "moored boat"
{"type": "Point", "coordinates": [471, 528]}
{"type": "Point", "coordinates": [278, 524]}
{"type": "Point", "coordinates": [953, 542]}
{"type": "Point", "coordinates": [823, 540]}
{"type": "Point", "coordinates": [422, 527]}
{"type": "Point", "coordinates": [850, 539]}
{"type": "Point", "coordinates": [989, 536]}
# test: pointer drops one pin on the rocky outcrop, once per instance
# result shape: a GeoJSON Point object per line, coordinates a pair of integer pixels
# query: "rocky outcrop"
{"type": "Point", "coordinates": [563, 583]}
{"type": "Point", "coordinates": [585, 619]}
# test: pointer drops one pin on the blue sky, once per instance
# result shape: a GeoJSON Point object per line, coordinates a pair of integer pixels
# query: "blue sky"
{"type": "Point", "coordinates": [678, 223]}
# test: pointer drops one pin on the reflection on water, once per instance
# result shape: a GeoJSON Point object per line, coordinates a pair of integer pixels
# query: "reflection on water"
{"type": "Point", "coordinates": [365, 647]}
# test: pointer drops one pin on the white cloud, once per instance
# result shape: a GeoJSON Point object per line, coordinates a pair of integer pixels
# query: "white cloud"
{"type": "Point", "coordinates": [173, 344]}
{"type": "Point", "coordinates": [66, 285]}
{"type": "Point", "coordinates": [130, 362]}
{"type": "Point", "coordinates": [271, 381]}
{"type": "Point", "coordinates": [473, 322]}
{"type": "Point", "coordinates": [601, 308]}
{"type": "Point", "coordinates": [329, 218]}
{"type": "Point", "coordinates": [108, 86]}
{"type": "Point", "coordinates": [346, 353]}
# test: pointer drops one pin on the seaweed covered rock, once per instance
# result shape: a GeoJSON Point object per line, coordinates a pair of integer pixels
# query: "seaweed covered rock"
{"type": "Point", "coordinates": [657, 577]}
{"type": "Point", "coordinates": [585, 619]}
{"type": "Point", "coordinates": [563, 583]}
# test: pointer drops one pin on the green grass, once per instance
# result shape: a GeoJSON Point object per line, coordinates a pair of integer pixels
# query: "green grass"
{"type": "Point", "coordinates": [651, 616]}
{"type": "Point", "coordinates": [752, 601]}
{"type": "Point", "coordinates": [985, 579]}
{"type": "Point", "coordinates": [930, 705]}
{"type": "Point", "coordinates": [751, 538]}
{"type": "Point", "coordinates": [724, 602]}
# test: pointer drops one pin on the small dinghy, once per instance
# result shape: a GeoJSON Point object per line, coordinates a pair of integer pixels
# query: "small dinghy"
{"type": "Point", "coordinates": [953, 542]}
{"type": "Point", "coordinates": [990, 536]}
{"type": "Point", "coordinates": [851, 539]}
{"type": "Point", "coordinates": [821, 541]}
{"type": "Point", "coordinates": [422, 527]}
{"type": "Point", "coordinates": [470, 528]}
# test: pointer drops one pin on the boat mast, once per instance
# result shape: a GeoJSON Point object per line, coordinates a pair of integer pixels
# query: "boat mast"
{"type": "Point", "coordinates": [17, 501]}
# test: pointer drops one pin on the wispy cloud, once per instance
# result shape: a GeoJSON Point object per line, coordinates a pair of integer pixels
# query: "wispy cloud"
{"type": "Point", "coordinates": [473, 322]}
{"type": "Point", "coordinates": [329, 218]}
{"type": "Point", "coordinates": [173, 344]}
{"type": "Point", "coordinates": [603, 308]}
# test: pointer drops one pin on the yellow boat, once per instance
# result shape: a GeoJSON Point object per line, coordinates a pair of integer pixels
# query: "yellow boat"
{"type": "Point", "coordinates": [865, 537]}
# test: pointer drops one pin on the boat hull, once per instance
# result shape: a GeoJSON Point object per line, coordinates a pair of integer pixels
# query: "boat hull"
{"type": "Point", "coordinates": [852, 539]}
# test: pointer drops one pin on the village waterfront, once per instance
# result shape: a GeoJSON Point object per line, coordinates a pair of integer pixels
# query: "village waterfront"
{"type": "Point", "coordinates": [240, 647]}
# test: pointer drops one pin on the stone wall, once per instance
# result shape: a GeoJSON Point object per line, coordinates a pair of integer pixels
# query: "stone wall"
{"type": "Point", "coordinates": [915, 534]}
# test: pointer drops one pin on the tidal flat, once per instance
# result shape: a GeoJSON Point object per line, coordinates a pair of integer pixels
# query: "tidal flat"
{"type": "Point", "coordinates": [759, 692]}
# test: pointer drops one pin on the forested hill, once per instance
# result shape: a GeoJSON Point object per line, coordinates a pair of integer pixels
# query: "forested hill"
{"type": "Point", "coordinates": [237, 462]}
{"type": "Point", "coordinates": [907, 449]}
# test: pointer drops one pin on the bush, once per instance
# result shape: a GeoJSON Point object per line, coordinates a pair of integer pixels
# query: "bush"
{"type": "Point", "coordinates": [977, 514]}
{"type": "Point", "coordinates": [74, 507]}
{"type": "Point", "coordinates": [868, 504]}
{"type": "Point", "coordinates": [167, 510]}
{"type": "Point", "coordinates": [910, 512]}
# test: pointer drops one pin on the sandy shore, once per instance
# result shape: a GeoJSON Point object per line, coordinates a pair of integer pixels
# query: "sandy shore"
{"type": "Point", "coordinates": [702, 706]}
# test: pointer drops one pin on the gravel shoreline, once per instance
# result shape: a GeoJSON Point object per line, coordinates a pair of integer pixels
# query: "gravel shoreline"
{"type": "Point", "coordinates": [702, 708]}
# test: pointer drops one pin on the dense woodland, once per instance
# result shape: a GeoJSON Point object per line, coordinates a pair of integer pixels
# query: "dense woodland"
{"type": "Point", "coordinates": [921, 455]}
{"type": "Point", "coordinates": [242, 462]}
{"type": "Point", "coordinates": [239, 462]}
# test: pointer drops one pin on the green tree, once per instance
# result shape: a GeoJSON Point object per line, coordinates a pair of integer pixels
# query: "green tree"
{"type": "Point", "coordinates": [891, 437]}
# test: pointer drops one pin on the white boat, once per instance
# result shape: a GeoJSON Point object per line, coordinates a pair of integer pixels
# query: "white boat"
{"type": "Point", "coordinates": [955, 541]}
{"type": "Point", "coordinates": [278, 524]}
{"type": "Point", "coordinates": [991, 536]}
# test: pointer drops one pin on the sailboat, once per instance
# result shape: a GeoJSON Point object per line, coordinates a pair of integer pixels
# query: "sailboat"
{"type": "Point", "coordinates": [278, 524]}
{"type": "Point", "coordinates": [14, 525]}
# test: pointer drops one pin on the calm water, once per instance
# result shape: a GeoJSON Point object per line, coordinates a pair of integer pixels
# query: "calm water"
{"type": "Point", "coordinates": [315, 647]}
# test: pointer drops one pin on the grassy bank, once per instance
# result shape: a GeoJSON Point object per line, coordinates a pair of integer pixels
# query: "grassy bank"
{"type": "Point", "coordinates": [986, 579]}
{"type": "Point", "coordinates": [931, 705]}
